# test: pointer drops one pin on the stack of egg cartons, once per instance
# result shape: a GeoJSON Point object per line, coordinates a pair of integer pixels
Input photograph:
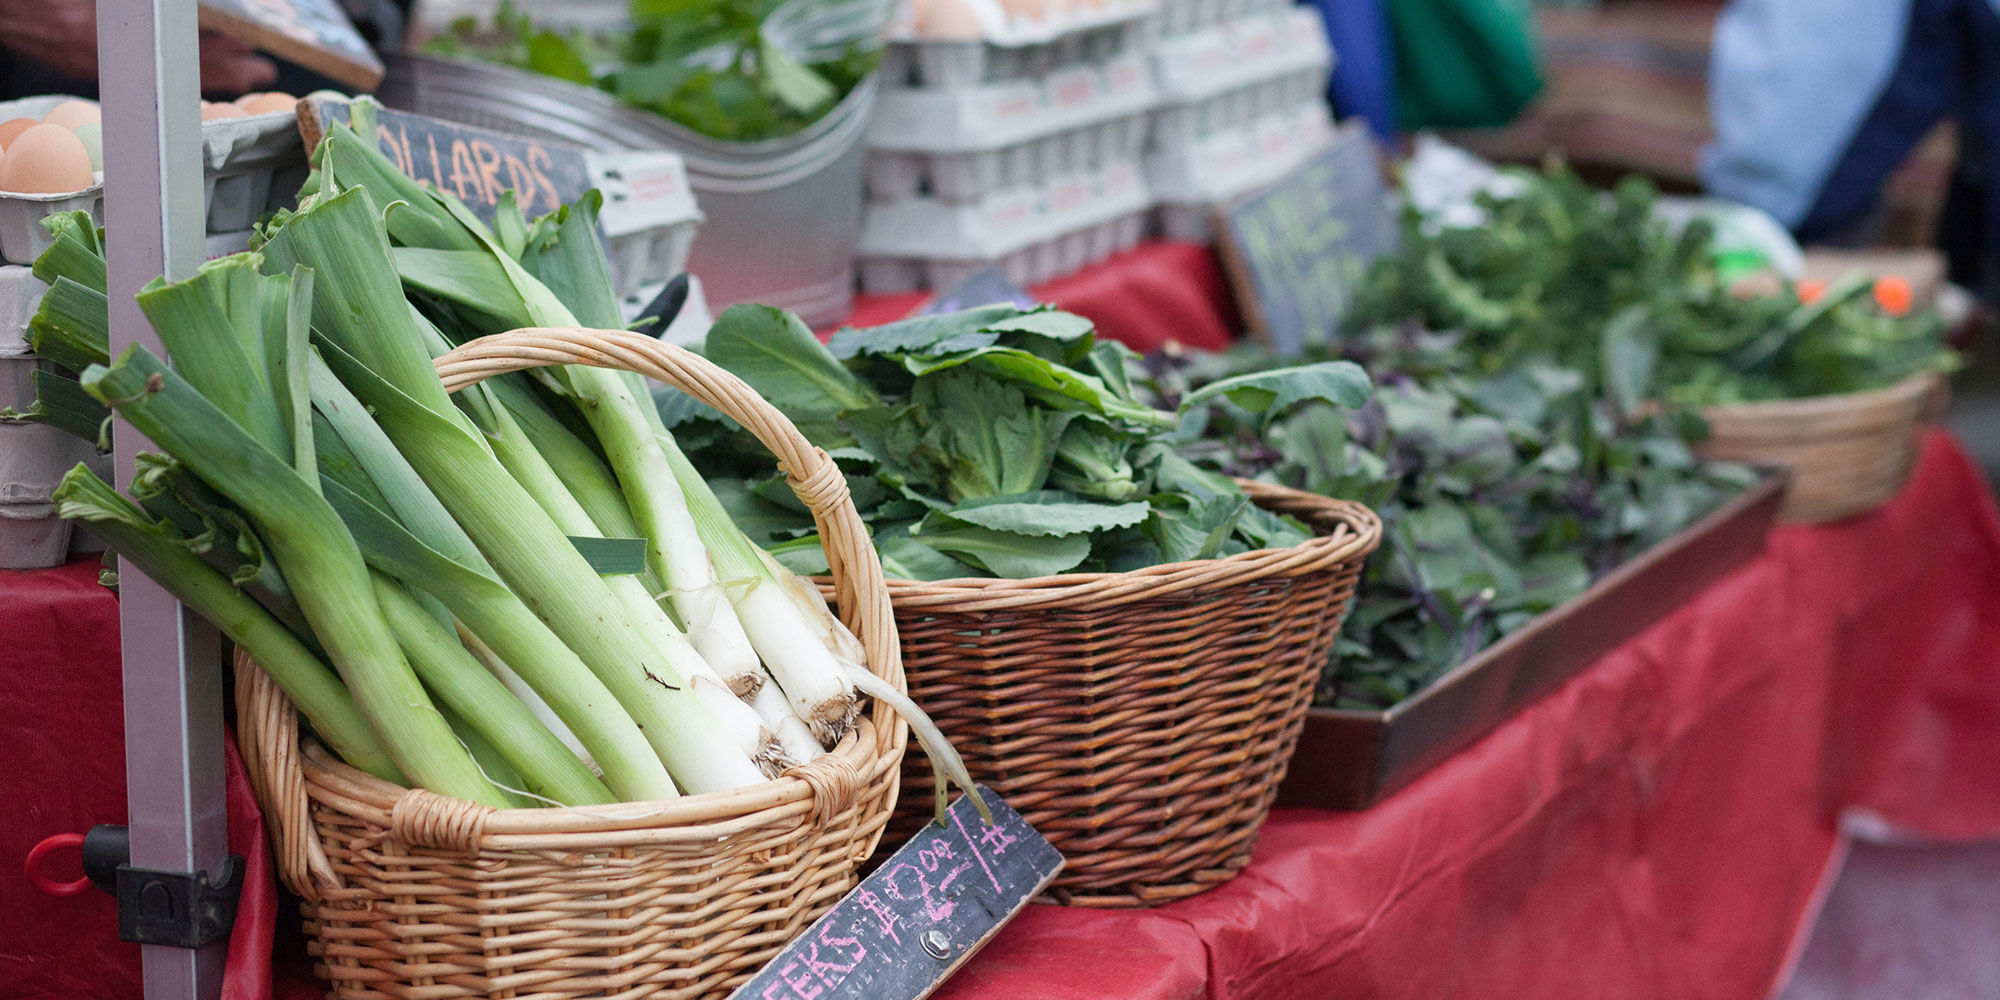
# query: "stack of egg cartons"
{"type": "Point", "coordinates": [1006, 135]}
{"type": "Point", "coordinates": [1242, 101]}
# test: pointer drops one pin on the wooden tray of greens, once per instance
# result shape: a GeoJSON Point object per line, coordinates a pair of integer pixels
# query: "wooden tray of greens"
{"type": "Point", "coordinates": [1352, 758]}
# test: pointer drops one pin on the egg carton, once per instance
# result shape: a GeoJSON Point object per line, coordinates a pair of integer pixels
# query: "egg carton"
{"type": "Point", "coordinates": [1033, 233]}
{"type": "Point", "coordinates": [998, 114]}
{"type": "Point", "coordinates": [1191, 180]}
{"type": "Point", "coordinates": [1240, 54]}
{"type": "Point", "coordinates": [1016, 26]}
{"type": "Point", "coordinates": [33, 536]}
{"type": "Point", "coordinates": [1182, 17]}
{"type": "Point", "coordinates": [968, 176]}
{"type": "Point", "coordinates": [649, 219]}
{"type": "Point", "coordinates": [20, 294]}
{"type": "Point", "coordinates": [251, 166]}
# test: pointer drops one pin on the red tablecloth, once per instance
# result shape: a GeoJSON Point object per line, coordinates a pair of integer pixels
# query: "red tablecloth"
{"type": "Point", "coordinates": [1148, 295]}
{"type": "Point", "coordinates": [1656, 828]}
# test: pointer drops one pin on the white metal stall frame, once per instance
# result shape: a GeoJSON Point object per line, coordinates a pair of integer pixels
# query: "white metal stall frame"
{"type": "Point", "coordinates": [149, 81]}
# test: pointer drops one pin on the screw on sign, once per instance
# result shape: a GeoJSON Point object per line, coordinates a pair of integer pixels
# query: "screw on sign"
{"type": "Point", "coordinates": [928, 908]}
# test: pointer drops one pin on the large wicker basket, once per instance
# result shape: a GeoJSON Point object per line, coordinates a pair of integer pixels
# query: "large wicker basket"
{"type": "Point", "coordinates": [1848, 453]}
{"type": "Point", "coordinates": [1142, 720]}
{"type": "Point", "coordinates": [417, 896]}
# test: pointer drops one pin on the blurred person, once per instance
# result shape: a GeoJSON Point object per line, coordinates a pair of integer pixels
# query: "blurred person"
{"type": "Point", "coordinates": [1815, 102]}
{"type": "Point", "coordinates": [50, 47]}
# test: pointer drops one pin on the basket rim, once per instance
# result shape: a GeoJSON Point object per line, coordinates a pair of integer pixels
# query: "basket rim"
{"type": "Point", "coordinates": [1354, 532]}
{"type": "Point", "coordinates": [1905, 390]}
{"type": "Point", "coordinates": [697, 815]}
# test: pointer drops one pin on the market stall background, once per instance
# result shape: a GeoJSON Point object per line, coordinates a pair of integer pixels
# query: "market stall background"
{"type": "Point", "coordinates": [1661, 826]}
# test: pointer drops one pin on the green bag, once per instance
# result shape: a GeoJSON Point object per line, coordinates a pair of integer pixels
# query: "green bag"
{"type": "Point", "coordinates": [1463, 63]}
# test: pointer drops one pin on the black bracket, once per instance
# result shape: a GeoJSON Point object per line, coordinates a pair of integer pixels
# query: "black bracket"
{"type": "Point", "coordinates": [177, 909]}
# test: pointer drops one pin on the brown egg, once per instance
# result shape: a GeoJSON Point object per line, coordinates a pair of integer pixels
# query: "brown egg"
{"type": "Point", "coordinates": [70, 114]}
{"type": "Point", "coordinates": [214, 112]}
{"type": "Point", "coordinates": [46, 159]}
{"type": "Point", "coordinates": [264, 104]}
{"type": "Point", "coordinates": [949, 20]}
{"type": "Point", "coordinates": [14, 127]}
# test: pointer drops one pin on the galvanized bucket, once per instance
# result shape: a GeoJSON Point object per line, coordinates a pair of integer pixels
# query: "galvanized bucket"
{"type": "Point", "coordinates": [783, 215]}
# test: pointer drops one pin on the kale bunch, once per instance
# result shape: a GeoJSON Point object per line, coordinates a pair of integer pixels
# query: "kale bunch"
{"type": "Point", "coordinates": [989, 442]}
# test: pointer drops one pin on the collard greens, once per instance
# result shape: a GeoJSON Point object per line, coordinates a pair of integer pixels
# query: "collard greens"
{"type": "Point", "coordinates": [989, 442]}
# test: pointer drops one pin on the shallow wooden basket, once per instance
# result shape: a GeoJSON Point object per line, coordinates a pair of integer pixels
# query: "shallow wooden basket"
{"type": "Point", "coordinates": [413, 895]}
{"type": "Point", "coordinates": [1140, 721]}
{"type": "Point", "coordinates": [1848, 454]}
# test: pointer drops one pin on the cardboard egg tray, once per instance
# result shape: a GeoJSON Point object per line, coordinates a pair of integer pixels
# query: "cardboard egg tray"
{"type": "Point", "coordinates": [253, 165]}
{"type": "Point", "coordinates": [1034, 233]}
{"type": "Point", "coordinates": [1182, 17]}
{"type": "Point", "coordinates": [1190, 181]}
{"type": "Point", "coordinates": [33, 458]}
{"type": "Point", "coordinates": [649, 220]}
{"type": "Point", "coordinates": [968, 176]}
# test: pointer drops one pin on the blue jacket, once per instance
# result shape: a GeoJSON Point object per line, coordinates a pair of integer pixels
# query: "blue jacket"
{"type": "Point", "coordinates": [1815, 102]}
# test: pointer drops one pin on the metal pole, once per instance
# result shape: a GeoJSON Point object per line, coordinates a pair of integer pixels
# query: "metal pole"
{"type": "Point", "coordinates": [155, 215]}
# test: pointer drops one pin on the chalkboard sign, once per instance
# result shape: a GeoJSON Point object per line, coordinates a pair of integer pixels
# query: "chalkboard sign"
{"type": "Point", "coordinates": [983, 287]}
{"type": "Point", "coordinates": [1296, 249]}
{"type": "Point", "coordinates": [909, 926]}
{"type": "Point", "coordinates": [475, 164]}
{"type": "Point", "coordinates": [315, 34]}
{"type": "Point", "coordinates": [643, 189]}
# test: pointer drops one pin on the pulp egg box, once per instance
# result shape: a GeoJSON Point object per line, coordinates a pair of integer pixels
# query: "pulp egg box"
{"type": "Point", "coordinates": [1230, 56]}
{"type": "Point", "coordinates": [1191, 180]}
{"type": "Point", "coordinates": [649, 217]}
{"type": "Point", "coordinates": [993, 116]}
{"type": "Point", "coordinates": [20, 294]}
{"type": "Point", "coordinates": [1002, 222]}
{"type": "Point", "coordinates": [240, 157]}
{"type": "Point", "coordinates": [967, 176]}
{"type": "Point", "coordinates": [1029, 265]}
{"type": "Point", "coordinates": [1022, 25]}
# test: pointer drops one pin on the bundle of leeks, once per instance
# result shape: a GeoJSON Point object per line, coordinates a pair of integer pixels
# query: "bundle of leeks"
{"type": "Point", "coordinates": [406, 564]}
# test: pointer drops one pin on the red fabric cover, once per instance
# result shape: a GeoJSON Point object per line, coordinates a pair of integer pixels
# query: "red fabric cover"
{"type": "Point", "coordinates": [1149, 295]}
{"type": "Point", "coordinates": [62, 730]}
{"type": "Point", "coordinates": [1653, 829]}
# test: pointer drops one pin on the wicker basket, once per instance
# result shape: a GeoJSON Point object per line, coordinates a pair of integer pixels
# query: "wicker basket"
{"type": "Point", "coordinates": [1848, 453]}
{"type": "Point", "coordinates": [1141, 721]}
{"type": "Point", "coordinates": [413, 895]}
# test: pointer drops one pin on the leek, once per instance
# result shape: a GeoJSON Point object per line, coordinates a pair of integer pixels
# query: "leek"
{"type": "Point", "coordinates": [153, 546]}
{"type": "Point", "coordinates": [372, 344]}
{"type": "Point", "coordinates": [328, 578]}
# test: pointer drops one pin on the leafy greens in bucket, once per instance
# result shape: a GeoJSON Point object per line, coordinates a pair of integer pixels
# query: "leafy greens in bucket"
{"type": "Point", "coordinates": [989, 442]}
{"type": "Point", "coordinates": [707, 64]}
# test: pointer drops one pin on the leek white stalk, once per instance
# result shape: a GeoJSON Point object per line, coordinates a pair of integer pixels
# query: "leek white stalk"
{"type": "Point", "coordinates": [532, 471]}
{"type": "Point", "coordinates": [772, 706]}
{"type": "Point", "coordinates": [791, 645]}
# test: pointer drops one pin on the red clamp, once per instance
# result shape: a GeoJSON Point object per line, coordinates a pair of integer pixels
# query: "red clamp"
{"type": "Point", "coordinates": [48, 846]}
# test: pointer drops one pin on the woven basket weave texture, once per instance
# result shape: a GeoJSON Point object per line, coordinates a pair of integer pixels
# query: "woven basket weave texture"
{"type": "Point", "coordinates": [416, 896]}
{"type": "Point", "coordinates": [1849, 453]}
{"type": "Point", "coordinates": [1141, 721]}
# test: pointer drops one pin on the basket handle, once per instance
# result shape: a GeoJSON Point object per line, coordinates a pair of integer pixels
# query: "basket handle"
{"type": "Point", "coordinates": [268, 726]}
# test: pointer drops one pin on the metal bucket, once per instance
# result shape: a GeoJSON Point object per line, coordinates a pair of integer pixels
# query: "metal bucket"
{"type": "Point", "coordinates": [782, 215]}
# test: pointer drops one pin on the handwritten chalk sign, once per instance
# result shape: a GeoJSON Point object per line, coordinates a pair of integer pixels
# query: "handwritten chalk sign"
{"type": "Point", "coordinates": [475, 164]}
{"type": "Point", "coordinates": [909, 926]}
{"type": "Point", "coordinates": [643, 189]}
{"type": "Point", "coordinates": [315, 34]}
{"type": "Point", "coordinates": [1296, 250]}
{"type": "Point", "coordinates": [981, 288]}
